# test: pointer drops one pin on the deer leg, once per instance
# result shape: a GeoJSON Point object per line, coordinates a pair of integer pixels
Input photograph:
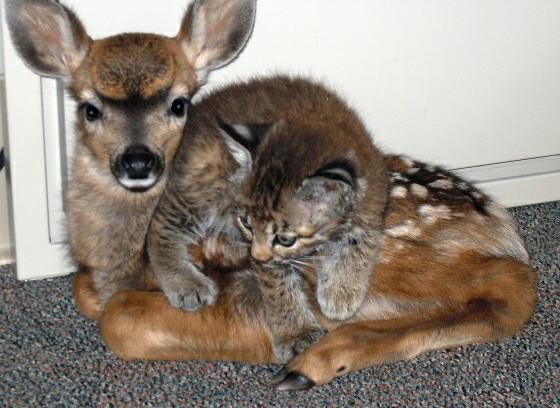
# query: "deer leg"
{"type": "Point", "coordinates": [142, 325]}
{"type": "Point", "coordinates": [86, 298]}
{"type": "Point", "coordinates": [505, 302]}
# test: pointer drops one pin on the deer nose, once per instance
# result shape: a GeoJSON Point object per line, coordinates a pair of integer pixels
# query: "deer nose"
{"type": "Point", "coordinates": [139, 162]}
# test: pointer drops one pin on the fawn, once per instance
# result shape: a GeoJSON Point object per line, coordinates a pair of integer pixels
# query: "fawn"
{"type": "Point", "coordinates": [452, 269]}
{"type": "Point", "coordinates": [133, 93]}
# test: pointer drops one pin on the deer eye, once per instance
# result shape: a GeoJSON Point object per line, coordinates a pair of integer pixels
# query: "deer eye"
{"type": "Point", "coordinates": [284, 240]}
{"type": "Point", "coordinates": [91, 113]}
{"type": "Point", "coordinates": [178, 107]}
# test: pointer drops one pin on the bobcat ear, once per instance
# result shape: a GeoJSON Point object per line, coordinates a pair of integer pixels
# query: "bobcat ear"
{"type": "Point", "coordinates": [331, 190]}
{"type": "Point", "coordinates": [342, 170]}
{"type": "Point", "coordinates": [243, 141]}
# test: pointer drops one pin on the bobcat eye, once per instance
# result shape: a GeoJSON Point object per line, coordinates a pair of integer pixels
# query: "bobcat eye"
{"type": "Point", "coordinates": [91, 113]}
{"type": "Point", "coordinates": [178, 107]}
{"type": "Point", "coordinates": [244, 221]}
{"type": "Point", "coordinates": [284, 240]}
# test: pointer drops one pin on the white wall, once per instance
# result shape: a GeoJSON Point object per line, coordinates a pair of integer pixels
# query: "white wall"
{"type": "Point", "coordinates": [461, 83]}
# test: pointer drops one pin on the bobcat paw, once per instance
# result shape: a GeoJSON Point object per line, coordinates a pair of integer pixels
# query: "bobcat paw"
{"type": "Point", "coordinates": [339, 303]}
{"type": "Point", "coordinates": [287, 348]}
{"type": "Point", "coordinates": [192, 294]}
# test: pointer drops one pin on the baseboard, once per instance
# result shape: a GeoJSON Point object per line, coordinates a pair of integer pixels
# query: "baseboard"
{"type": "Point", "coordinates": [521, 182]}
{"type": "Point", "coordinates": [6, 255]}
{"type": "Point", "coordinates": [524, 190]}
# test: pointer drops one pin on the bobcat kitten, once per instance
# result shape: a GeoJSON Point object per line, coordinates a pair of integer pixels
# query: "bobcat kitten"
{"type": "Point", "coordinates": [293, 157]}
{"type": "Point", "coordinates": [314, 197]}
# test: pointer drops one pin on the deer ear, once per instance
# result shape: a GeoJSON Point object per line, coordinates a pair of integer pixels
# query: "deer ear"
{"type": "Point", "coordinates": [49, 37]}
{"type": "Point", "coordinates": [214, 32]}
{"type": "Point", "coordinates": [243, 141]}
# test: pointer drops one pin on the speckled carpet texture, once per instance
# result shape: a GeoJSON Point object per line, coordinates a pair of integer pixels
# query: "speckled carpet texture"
{"type": "Point", "coordinates": [51, 356]}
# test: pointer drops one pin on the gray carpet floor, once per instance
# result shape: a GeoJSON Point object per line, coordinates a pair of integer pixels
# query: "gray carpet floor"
{"type": "Point", "coordinates": [51, 356]}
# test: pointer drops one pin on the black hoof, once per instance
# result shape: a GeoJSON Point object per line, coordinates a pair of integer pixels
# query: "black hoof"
{"type": "Point", "coordinates": [279, 376]}
{"type": "Point", "coordinates": [286, 380]}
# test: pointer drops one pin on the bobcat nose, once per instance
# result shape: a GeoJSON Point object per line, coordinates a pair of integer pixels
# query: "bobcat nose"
{"type": "Point", "coordinates": [138, 162]}
{"type": "Point", "coordinates": [260, 254]}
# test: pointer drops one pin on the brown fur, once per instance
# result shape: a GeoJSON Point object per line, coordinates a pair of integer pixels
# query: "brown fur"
{"type": "Point", "coordinates": [132, 80]}
{"type": "Point", "coordinates": [452, 271]}
{"type": "Point", "coordinates": [436, 301]}
{"type": "Point", "coordinates": [85, 296]}
{"type": "Point", "coordinates": [452, 275]}
{"type": "Point", "coordinates": [307, 128]}
{"type": "Point", "coordinates": [142, 325]}
{"type": "Point", "coordinates": [315, 178]}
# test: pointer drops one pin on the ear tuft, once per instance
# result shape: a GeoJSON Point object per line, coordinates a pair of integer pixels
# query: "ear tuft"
{"type": "Point", "coordinates": [237, 141]}
{"type": "Point", "coordinates": [48, 37]}
{"type": "Point", "coordinates": [214, 32]}
{"type": "Point", "coordinates": [342, 170]}
{"type": "Point", "coordinates": [243, 141]}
